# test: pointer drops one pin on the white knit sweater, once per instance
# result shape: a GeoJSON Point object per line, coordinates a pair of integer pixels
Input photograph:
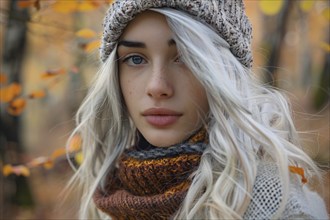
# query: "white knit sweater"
{"type": "Point", "coordinates": [267, 194]}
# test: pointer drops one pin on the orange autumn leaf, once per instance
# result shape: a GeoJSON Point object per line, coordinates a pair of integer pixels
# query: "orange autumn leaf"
{"type": "Point", "coordinates": [91, 46]}
{"type": "Point", "coordinates": [3, 78]}
{"type": "Point", "coordinates": [48, 164]}
{"type": "Point", "coordinates": [28, 3]}
{"type": "Point", "coordinates": [65, 7]}
{"type": "Point", "coordinates": [37, 94]}
{"type": "Point", "coordinates": [58, 153]}
{"type": "Point", "coordinates": [16, 106]}
{"type": "Point", "coordinates": [25, 3]}
{"type": "Point", "coordinates": [52, 73]}
{"type": "Point", "coordinates": [22, 170]}
{"type": "Point", "coordinates": [37, 162]}
{"type": "Point", "coordinates": [75, 143]}
{"type": "Point", "coordinates": [86, 33]}
{"type": "Point", "coordinates": [7, 170]}
{"type": "Point", "coordinates": [9, 92]}
{"type": "Point", "coordinates": [41, 161]}
{"type": "Point", "coordinates": [300, 171]}
{"type": "Point", "coordinates": [18, 170]}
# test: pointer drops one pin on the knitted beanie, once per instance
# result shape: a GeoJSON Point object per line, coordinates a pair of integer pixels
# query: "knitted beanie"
{"type": "Point", "coordinates": [226, 17]}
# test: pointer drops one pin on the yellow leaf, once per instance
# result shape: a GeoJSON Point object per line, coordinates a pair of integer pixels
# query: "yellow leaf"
{"type": "Point", "coordinates": [306, 5]}
{"type": "Point", "coordinates": [37, 94]}
{"type": "Point", "coordinates": [16, 106]}
{"type": "Point", "coordinates": [325, 46]}
{"type": "Point", "coordinates": [91, 46]}
{"type": "Point", "coordinates": [88, 5]}
{"type": "Point", "coordinates": [270, 7]}
{"type": "Point", "coordinates": [7, 170]}
{"type": "Point", "coordinates": [9, 92]}
{"type": "Point", "coordinates": [62, 6]}
{"type": "Point", "coordinates": [78, 157]}
{"type": "Point", "coordinates": [3, 78]}
{"type": "Point", "coordinates": [326, 13]}
{"type": "Point", "coordinates": [86, 33]}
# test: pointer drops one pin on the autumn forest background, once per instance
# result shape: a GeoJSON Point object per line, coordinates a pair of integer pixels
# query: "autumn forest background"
{"type": "Point", "coordinates": [49, 55]}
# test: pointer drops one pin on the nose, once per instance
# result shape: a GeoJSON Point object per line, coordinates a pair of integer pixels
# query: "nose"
{"type": "Point", "coordinates": [160, 85]}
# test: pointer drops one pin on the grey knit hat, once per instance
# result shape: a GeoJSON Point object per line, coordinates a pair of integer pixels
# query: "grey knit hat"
{"type": "Point", "coordinates": [227, 17]}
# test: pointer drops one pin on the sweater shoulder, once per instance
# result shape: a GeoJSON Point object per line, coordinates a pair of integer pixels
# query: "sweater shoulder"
{"type": "Point", "coordinates": [267, 195]}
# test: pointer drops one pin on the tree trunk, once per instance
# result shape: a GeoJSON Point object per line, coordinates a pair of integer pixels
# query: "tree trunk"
{"type": "Point", "coordinates": [15, 189]}
{"type": "Point", "coordinates": [274, 39]}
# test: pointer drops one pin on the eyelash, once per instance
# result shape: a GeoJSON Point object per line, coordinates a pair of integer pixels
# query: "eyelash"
{"type": "Point", "coordinates": [129, 58]}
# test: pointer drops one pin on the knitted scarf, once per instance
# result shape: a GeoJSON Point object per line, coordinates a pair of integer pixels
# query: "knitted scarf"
{"type": "Point", "coordinates": [151, 183]}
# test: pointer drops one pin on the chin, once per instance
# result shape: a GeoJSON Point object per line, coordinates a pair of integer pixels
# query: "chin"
{"type": "Point", "coordinates": [165, 137]}
{"type": "Point", "coordinates": [164, 141]}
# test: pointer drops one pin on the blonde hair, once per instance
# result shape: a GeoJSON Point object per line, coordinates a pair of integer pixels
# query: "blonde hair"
{"type": "Point", "coordinates": [248, 124]}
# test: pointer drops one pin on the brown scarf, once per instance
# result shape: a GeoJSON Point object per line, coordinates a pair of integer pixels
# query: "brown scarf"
{"type": "Point", "coordinates": [151, 184]}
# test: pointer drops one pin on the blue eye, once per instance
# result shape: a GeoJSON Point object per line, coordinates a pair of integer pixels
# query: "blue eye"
{"type": "Point", "coordinates": [134, 60]}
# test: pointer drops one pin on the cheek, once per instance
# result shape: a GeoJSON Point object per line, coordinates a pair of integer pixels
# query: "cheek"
{"type": "Point", "coordinates": [129, 94]}
{"type": "Point", "coordinates": [125, 85]}
{"type": "Point", "coordinates": [126, 89]}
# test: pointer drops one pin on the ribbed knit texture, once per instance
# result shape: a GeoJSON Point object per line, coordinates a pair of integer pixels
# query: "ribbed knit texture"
{"type": "Point", "coordinates": [151, 184]}
{"type": "Point", "coordinates": [226, 17]}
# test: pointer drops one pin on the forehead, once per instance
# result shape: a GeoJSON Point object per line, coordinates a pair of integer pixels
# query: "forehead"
{"type": "Point", "coordinates": [146, 23]}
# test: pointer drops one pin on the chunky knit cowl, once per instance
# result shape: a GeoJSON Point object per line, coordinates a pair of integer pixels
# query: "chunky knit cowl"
{"type": "Point", "coordinates": [151, 183]}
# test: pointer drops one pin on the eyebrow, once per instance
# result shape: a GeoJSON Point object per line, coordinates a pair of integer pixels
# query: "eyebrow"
{"type": "Point", "coordinates": [127, 43]}
{"type": "Point", "coordinates": [137, 44]}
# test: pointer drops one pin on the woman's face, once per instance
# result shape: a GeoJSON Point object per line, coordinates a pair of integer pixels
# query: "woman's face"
{"type": "Point", "coordinates": [165, 101]}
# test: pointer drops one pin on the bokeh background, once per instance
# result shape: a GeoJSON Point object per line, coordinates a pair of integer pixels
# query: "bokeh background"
{"type": "Point", "coordinates": [49, 57]}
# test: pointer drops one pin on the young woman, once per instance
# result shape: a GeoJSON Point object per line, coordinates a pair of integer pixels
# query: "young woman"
{"type": "Point", "coordinates": [176, 127]}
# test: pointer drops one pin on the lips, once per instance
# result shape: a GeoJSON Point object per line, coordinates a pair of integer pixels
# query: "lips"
{"type": "Point", "coordinates": [161, 117]}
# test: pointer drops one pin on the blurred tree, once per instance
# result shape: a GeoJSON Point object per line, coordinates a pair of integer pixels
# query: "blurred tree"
{"type": "Point", "coordinates": [17, 188]}
{"type": "Point", "coordinates": [321, 97]}
{"type": "Point", "coordinates": [275, 27]}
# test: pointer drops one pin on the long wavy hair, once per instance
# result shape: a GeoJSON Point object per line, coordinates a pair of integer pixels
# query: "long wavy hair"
{"type": "Point", "coordinates": [248, 123]}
